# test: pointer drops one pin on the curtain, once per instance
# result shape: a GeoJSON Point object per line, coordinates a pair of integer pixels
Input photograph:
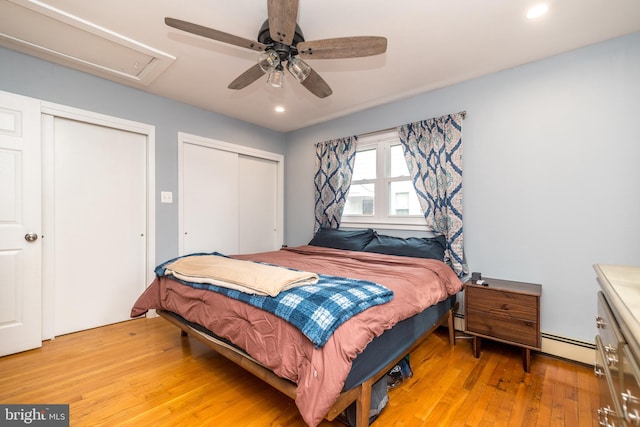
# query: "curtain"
{"type": "Point", "coordinates": [433, 151]}
{"type": "Point", "coordinates": [334, 168]}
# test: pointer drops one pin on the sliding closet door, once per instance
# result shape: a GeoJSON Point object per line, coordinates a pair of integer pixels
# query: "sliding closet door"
{"type": "Point", "coordinates": [230, 197]}
{"type": "Point", "coordinates": [99, 223]}
{"type": "Point", "coordinates": [209, 200]}
{"type": "Point", "coordinates": [257, 208]}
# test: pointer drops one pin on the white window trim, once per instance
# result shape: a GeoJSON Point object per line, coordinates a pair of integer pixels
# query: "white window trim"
{"type": "Point", "coordinates": [381, 141]}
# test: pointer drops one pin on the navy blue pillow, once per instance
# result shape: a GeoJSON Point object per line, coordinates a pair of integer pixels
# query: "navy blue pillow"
{"type": "Point", "coordinates": [350, 240]}
{"type": "Point", "coordinates": [417, 247]}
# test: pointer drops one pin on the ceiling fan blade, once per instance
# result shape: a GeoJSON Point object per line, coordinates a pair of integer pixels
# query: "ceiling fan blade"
{"type": "Point", "coordinates": [246, 78]}
{"type": "Point", "coordinates": [214, 34]}
{"type": "Point", "coordinates": [316, 85]}
{"type": "Point", "coordinates": [342, 47]}
{"type": "Point", "coordinates": [283, 15]}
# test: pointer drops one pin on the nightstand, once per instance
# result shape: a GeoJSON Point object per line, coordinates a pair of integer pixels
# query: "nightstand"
{"type": "Point", "coordinates": [504, 311]}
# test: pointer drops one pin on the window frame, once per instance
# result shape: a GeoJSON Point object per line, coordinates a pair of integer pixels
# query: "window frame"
{"type": "Point", "coordinates": [382, 143]}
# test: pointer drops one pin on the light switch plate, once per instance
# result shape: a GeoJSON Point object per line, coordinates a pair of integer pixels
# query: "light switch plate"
{"type": "Point", "coordinates": [166, 197]}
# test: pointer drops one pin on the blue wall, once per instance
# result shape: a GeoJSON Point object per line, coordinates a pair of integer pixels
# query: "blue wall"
{"type": "Point", "coordinates": [551, 159]}
{"type": "Point", "coordinates": [551, 172]}
{"type": "Point", "coordinates": [28, 76]}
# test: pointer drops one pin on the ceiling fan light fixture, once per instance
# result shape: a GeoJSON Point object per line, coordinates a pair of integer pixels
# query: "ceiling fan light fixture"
{"type": "Point", "coordinates": [298, 69]}
{"type": "Point", "coordinates": [268, 61]}
{"type": "Point", "coordinates": [276, 77]}
{"type": "Point", "coordinates": [280, 40]}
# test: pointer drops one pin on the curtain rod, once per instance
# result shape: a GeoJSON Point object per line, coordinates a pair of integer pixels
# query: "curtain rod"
{"type": "Point", "coordinates": [462, 113]}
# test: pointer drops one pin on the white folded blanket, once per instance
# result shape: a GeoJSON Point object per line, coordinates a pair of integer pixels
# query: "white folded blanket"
{"type": "Point", "coordinates": [245, 276]}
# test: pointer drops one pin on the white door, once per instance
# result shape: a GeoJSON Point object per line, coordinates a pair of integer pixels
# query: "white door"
{"type": "Point", "coordinates": [209, 200]}
{"type": "Point", "coordinates": [231, 197]}
{"type": "Point", "coordinates": [99, 223]}
{"type": "Point", "coordinates": [257, 207]}
{"type": "Point", "coordinates": [20, 221]}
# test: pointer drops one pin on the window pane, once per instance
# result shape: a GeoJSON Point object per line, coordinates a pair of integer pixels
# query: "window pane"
{"type": "Point", "coordinates": [403, 199]}
{"type": "Point", "coordinates": [365, 165]}
{"type": "Point", "coordinates": [360, 200]}
{"type": "Point", "coordinates": [398, 163]}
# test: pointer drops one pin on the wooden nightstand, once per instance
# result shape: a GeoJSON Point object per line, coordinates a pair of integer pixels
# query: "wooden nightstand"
{"type": "Point", "coordinates": [504, 311]}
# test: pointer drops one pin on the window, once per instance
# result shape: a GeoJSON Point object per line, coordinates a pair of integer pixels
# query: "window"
{"type": "Point", "coordinates": [381, 192]}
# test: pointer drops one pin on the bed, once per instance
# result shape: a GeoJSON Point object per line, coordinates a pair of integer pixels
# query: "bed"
{"type": "Point", "coordinates": [323, 375]}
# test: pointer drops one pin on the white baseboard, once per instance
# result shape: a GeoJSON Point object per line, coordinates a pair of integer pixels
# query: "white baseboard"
{"type": "Point", "coordinates": [567, 348]}
{"type": "Point", "coordinates": [554, 345]}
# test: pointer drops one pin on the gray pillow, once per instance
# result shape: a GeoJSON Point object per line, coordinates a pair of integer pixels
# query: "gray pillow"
{"type": "Point", "coordinates": [418, 247]}
{"type": "Point", "coordinates": [350, 240]}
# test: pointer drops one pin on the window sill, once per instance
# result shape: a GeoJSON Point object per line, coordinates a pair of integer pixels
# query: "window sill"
{"type": "Point", "coordinates": [376, 225]}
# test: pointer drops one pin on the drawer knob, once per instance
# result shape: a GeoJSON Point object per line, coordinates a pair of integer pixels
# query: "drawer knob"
{"type": "Point", "coordinates": [611, 354]}
{"type": "Point", "coordinates": [598, 371]}
{"type": "Point", "coordinates": [603, 416]}
{"type": "Point", "coordinates": [631, 416]}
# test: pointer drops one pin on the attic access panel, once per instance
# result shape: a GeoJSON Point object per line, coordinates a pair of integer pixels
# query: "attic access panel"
{"type": "Point", "coordinates": [43, 31]}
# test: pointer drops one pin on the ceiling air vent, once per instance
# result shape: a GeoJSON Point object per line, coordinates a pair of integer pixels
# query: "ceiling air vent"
{"type": "Point", "coordinates": [49, 33]}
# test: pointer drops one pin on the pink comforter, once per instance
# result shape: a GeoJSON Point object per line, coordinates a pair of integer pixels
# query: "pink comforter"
{"type": "Point", "coordinates": [318, 372]}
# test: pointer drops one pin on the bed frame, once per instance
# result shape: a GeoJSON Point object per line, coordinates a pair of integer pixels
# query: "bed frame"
{"type": "Point", "coordinates": [360, 394]}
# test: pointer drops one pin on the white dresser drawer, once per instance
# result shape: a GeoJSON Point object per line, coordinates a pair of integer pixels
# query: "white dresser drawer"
{"type": "Point", "coordinates": [629, 387]}
{"type": "Point", "coordinates": [617, 349]}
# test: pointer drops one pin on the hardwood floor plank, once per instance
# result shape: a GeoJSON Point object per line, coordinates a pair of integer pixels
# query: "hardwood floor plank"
{"type": "Point", "coordinates": [546, 397]}
{"type": "Point", "coordinates": [518, 416]}
{"type": "Point", "coordinates": [570, 408]}
{"type": "Point", "coordinates": [587, 399]}
{"type": "Point", "coordinates": [142, 372]}
{"type": "Point", "coordinates": [483, 406]}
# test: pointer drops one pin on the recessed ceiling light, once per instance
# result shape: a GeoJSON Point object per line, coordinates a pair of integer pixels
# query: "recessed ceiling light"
{"type": "Point", "coordinates": [537, 11]}
{"type": "Point", "coordinates": [279, 109]}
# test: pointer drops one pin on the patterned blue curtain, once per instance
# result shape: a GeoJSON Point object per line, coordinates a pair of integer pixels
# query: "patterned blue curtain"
{"type": "Point", "coordinates": [334, 168]}
{"type": "Point", "coordinates": [433, 150]}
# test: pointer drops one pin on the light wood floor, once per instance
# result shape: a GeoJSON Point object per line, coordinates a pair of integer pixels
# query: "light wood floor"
{"type": "Point", "coordinates": [143, 373]}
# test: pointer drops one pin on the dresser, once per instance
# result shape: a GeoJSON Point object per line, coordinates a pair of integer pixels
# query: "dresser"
{"type": "Point", "coordinates": [505, 311]}
{"type": "Point", "coordinates": [618, 345]}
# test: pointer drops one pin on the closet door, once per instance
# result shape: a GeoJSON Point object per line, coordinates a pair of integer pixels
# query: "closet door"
{"type": "Point", "coordinates": [99, 223]}
{"type": "Point", "coordinates": [230, 198]}
{"type": "Point", "coordinates": [257, 208]}
{"type": "Point", "coordinates": [209, 200]}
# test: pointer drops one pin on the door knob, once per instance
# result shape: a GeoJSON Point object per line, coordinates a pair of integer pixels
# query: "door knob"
{"type": "Point", "coordinates": [31, 237]}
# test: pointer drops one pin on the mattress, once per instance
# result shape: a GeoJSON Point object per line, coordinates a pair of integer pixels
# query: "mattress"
{"type": "Point", "coordinates": [320, 373]}
{"type": "Point", "coordinates": [395, 342]}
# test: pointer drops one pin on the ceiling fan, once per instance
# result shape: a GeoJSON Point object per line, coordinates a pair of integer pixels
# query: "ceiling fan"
{"type": "Point", "coordinates": [282, 45]}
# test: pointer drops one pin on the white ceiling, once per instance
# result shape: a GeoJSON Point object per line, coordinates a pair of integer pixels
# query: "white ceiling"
{"type": "Point", "coordinates": [431, 44]}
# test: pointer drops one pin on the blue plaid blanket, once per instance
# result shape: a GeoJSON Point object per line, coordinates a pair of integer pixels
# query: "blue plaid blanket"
{"type": "Point", "coordinates": [316, 310]}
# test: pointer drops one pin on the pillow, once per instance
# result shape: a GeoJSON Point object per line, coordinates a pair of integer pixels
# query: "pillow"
{"type": "Point", "coordinates": [350, 240]}
{"type": "Point", "coordinates": [417, 247]}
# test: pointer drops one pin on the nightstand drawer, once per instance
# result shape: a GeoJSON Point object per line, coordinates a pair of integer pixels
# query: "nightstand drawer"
{"type": "Point", "coordinates": [502, 326]}
{"type": "Point", "coordinates": [503, 304]}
